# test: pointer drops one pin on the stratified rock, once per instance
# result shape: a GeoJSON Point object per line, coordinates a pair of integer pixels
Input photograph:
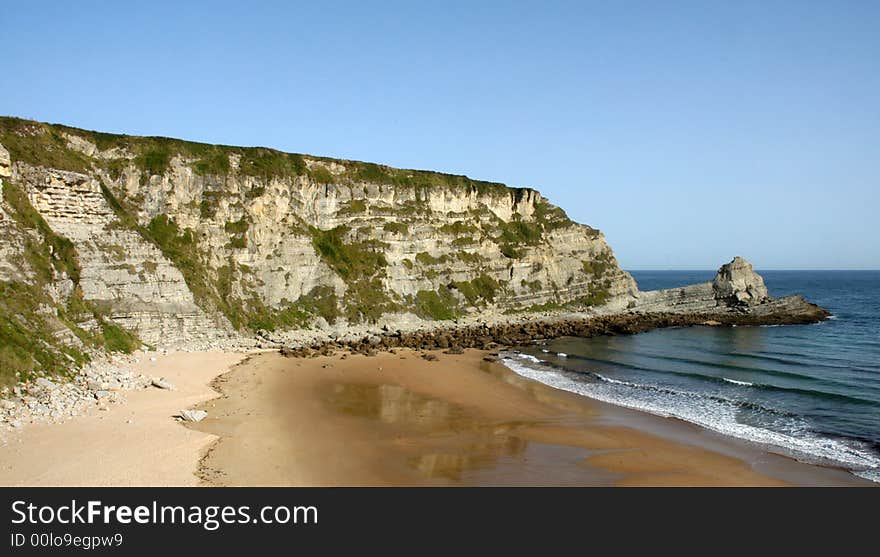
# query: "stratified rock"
{"type": "Point", "coordinates": [5, 163]}
{"type": "Point", "coordinates": [738, 284]}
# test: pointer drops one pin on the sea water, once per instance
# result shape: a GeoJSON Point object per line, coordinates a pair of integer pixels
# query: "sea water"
{"type": "Point", "coordinates": [808, 391]}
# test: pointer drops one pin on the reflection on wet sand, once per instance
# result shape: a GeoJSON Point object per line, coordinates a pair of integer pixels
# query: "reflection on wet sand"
{"type": "Point", "coordinates": [401, 420]}
{"type": "Point", "coordinates": [437, 438]}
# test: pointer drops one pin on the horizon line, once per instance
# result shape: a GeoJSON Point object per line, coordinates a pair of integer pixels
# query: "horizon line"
{"type": "Point", "coordinates": [756, 269]}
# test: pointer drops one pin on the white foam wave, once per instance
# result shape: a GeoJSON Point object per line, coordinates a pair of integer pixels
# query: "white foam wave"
{"type": "Point", "coordinates": [709, 413]}
{"type": "Point", "coordinates": [529, 358]}
{"type": "Point", "coordinates": [562, 354]}
{"type": "Point", "coordinates": [872, 474]}
{"type": "Point", "coordinates": [615, 381]}
{"type": "Point", "coordinates": [735, 382]}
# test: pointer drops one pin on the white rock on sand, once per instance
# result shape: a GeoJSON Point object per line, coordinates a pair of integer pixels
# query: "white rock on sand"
{"type": "Point", "coordinates": [162, 383]}
{"type": "Point", "coordinates": [193, 415]}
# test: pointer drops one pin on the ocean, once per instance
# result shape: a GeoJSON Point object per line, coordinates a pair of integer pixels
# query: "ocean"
{"type": "Point", "coordinates": [811, 392]}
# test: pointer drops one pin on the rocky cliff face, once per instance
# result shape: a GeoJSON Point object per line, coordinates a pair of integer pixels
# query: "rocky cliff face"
{"type": "Point", "coordinates": [180, 243]}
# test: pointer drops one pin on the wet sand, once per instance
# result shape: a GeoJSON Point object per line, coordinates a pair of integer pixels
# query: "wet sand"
{"type": "Point", "coordinates": [402, 420]}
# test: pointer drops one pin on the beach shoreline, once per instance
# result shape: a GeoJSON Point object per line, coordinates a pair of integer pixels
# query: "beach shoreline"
{"type": "Point", "coordinates": [400, 419]}
{"type": "Point", "coordinates": [394, 418]}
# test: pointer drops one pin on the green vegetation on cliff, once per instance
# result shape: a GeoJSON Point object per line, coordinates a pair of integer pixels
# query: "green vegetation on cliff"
{"type": "Point", "coordinates": [29, 317]}
{"type": "Point", "coordinates": [349, 260]}
{"type": "Point", "coordinates": [238, 188]}
{"type": "Point", "coordinates": [43, 144]}
{"type": "Point", "coordinates": [54, 250]}
{"type": "Point", "coordinates": [479, 290]}
{"type": "Point", "coordinates": [439, 305]}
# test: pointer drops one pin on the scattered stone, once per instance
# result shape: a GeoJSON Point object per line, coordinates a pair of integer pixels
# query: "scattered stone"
{"type": "Point", "coordinates": [193, 415]}
{"type": "Point", "coordinates": [430, 357]}
{"type": "Point", "coordinates": [7, 404]}
{"type": "Point", "coordinates": [101, 394]}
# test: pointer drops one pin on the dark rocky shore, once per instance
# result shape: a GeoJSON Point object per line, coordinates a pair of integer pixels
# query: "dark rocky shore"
{"type": "Point", "coordinates": [737, 297]}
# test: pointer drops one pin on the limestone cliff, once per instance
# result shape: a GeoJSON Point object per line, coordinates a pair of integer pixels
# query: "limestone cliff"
{"type": "Point", "coordinates": [109, 237]}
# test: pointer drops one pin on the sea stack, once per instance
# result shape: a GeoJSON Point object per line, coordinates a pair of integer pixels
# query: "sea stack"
{"type": "Point", "coordinates": [738, 284]}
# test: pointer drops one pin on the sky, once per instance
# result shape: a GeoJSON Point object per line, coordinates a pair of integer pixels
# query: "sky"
{"type": "Point", "coordinates": [688, 132]}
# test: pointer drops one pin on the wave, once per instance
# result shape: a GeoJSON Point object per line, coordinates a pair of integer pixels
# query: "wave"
{"type": "Point", "coordinates": [735, 382]}
{"type": "Point", "coordinates": [615, 381]}
{"type": "Point", "coordinates": [714, 379]}
{"type": "Point", "coordinates": [712, 412]}
{"type": "Point", "coordinates": [530, 358]}
{"type": "Point", "coordinates": [872, 474]}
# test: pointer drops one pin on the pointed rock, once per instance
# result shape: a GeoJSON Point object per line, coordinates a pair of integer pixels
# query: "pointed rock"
{"type": "Point", "coordinates": [738, 284]}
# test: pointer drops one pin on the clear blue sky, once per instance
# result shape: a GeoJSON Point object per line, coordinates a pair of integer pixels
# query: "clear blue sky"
{"type": "Point", "coordinates": [687, 131]}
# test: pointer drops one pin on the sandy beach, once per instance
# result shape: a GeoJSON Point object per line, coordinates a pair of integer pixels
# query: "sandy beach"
{"type": "Point", "coordinates": [389, 419]}
{"type": "Point", "coordinates": [398, 419]}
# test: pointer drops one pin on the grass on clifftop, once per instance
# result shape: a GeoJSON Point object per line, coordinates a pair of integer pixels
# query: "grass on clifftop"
{"type": "Point", "coordinates": [42, 144]}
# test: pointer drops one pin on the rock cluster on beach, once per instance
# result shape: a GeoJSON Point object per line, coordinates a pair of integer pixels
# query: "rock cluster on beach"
{"type": "Point", "coordinates": [96, 386]}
